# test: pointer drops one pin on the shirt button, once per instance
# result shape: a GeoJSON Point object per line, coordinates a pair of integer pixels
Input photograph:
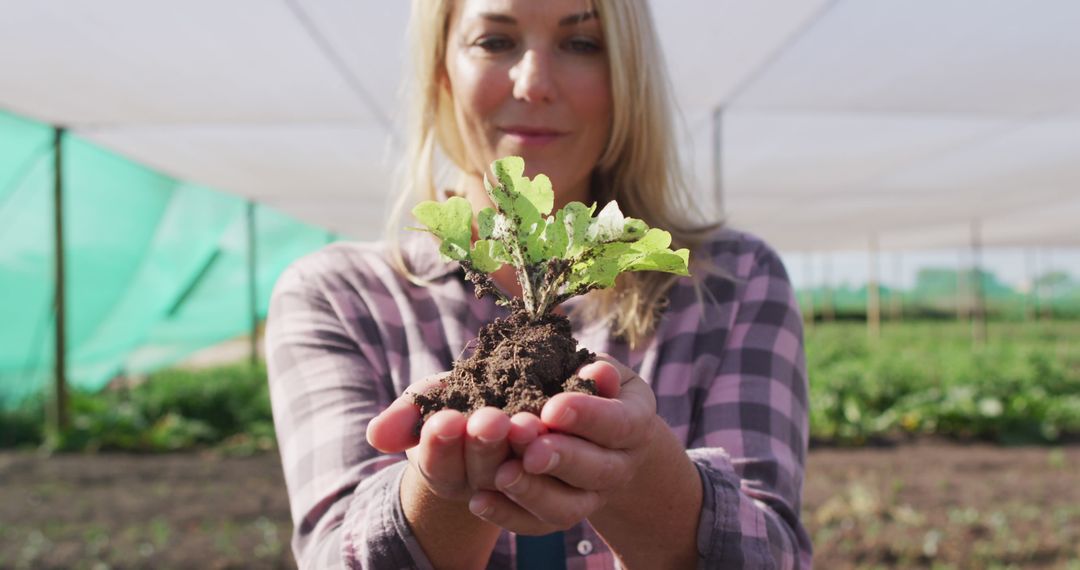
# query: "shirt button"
{"type": "Point", "coordinates": [584, 548]}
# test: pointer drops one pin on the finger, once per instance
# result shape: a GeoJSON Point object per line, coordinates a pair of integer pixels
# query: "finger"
{"type": "Point", "coordinates": [497, 509]}
{"type": "Point", "coordinates": [524, 428]}
{"type": "Point", "coordinates": [394, 429]}
{"type": "Point", "coordinates": [440, 455]}
{"type": "Point", "coordinates": [579, 463]}
{"type": "Point", "coordinates": [607, 377]}
{"type": "Point", "coordinates": [546, 498]}
{"type": "Point", "coordinates": [485, 446]}
{"type": "Point", "coordinates": [618, 423]}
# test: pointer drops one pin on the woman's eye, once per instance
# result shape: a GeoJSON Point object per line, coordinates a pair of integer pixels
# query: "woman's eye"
{"type": "Point", "coordinates": [584, 45]}
{"type": "Point", "coordinates": [494, 44]}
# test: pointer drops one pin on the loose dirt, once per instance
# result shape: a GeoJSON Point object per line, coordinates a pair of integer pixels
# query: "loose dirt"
{"type": "Point", "coordinates": [921, 505]}
{"type": "Point", "coordinates": [517, 365]}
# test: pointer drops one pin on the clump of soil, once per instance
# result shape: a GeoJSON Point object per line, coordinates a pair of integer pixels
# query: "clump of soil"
{"type": "Point", "coordinates": [517, 365]}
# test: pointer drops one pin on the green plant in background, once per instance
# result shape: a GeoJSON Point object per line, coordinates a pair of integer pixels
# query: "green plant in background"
{"type": "Point", "coordinates": [926, 379]}
{"type": "Point", "coordinates": [172, 410]}
{"type": "Point", "coordinates": [918, 379]}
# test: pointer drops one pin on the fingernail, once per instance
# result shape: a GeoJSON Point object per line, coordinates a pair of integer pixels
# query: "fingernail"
{"type": "Point", "coordinates": [518, 484]}
{"type": "Point", "coordinates": [552, 462]}
{"type": "Point", "coordinates": [448, 438]}
{"type": "Point", "coordinates": [478, 508]}
{"type": "Point", "coordinates": [567, 416]}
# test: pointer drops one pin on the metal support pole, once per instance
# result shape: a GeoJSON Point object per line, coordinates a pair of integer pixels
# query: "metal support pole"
{"type": "Point", "coordinates": [873, 298]}
{"type": "Point", "coordinates": [828, 311]}
{"type": "Point", "coordinates": [1050, 292]}
{"type": "Point", "coordinates": [1031, 299]}
{"type": "Point", "coordinates": [809, 316]}
{"type": "Point", "coordinates": [60, 412]}
{"type": "Point", "coordinates": [896, 300]}
{"type": "Point", "coordinates": [253, 301]}
{"type": "Point", "coordinates": [718, 158]}
{"type": "Point", "coordinates": [978, 314]}
{"type": "Point", "coordinates": [961, 289]}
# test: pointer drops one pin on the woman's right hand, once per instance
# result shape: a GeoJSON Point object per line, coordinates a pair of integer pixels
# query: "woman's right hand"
{"type": "Point", "coordinates": [454, 456]}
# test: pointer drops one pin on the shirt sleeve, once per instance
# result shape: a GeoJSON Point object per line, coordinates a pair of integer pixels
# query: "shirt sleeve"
{"type": "Point", "coordinates": [343, 494]}
{"type": "Point", "coordinates": [750, 442]}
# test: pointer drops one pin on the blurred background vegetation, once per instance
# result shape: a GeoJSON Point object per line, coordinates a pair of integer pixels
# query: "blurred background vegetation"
{"type": "Point", "coordinates": [1022, 385]}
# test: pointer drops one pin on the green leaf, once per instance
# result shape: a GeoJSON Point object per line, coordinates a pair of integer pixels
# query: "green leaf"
{"type": "Point", "coordinates": [575, 217]}
{"type": "Point", "coordinates": [485, 222]}
{"type": "Point", "coordinates": [651, 253]}
{"type": "Point", "coordinates": [601, 266]}
{"type": "Point", "coordinates": [451, 222]}
{"type": "Point", "coordinates": [508, 199]}
{"type": "Point", "coordinates": [668, 262]}
{"type": "Point", "coordinates": [488, 255]}
{"type": "Point", "coordinates": [634, 228]}
{"type": "Point", "coordinates": [556, 239]}
{"type": "Point", "coordinates": [510, 172]}
{"type": "Point", "coordinates": [522, 230]}
{"type": "Point", "coordinates": [540, 194]}
{"type": "Point", "coordinates": [533, 241]}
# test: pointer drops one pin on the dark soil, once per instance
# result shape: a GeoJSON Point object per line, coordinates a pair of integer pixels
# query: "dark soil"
{"type": "Point", "coordinates": [928, 504]}
{"type": "Point", "coordinates": [517, 366]}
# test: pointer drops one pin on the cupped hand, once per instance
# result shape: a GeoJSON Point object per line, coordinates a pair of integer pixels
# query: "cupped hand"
{"type": "Point", "coordinates": [454, 455]}
{"type": "Point", "coordinates": [594, 448]}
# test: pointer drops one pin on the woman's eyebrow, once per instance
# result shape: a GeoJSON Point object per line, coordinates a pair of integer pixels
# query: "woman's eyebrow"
{"type": "Point", "coordinates": [577, 18]}
{"type": "Point", "coordinates": [495, 17]}
{"type": "Point", "coordinates": [565, 21]}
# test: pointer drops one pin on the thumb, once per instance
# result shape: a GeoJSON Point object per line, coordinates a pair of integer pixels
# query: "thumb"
{"type": "Point", "coordinates": [394, 429]}
{"type": "Point", "coordinates": [607, 377]}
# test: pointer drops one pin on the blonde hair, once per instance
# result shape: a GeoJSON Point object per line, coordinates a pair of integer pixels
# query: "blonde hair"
{"type": "Point", "coordinates": [639, 166]}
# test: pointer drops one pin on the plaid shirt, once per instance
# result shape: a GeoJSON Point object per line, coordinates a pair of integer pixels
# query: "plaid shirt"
{"type": "Point", "coordinates": [346, 335]}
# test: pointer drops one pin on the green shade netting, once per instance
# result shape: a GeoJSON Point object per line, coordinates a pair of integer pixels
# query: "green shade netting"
{"type": "Point", "coordinates": [156, 268]}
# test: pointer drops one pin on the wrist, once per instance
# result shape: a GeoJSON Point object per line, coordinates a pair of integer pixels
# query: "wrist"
{"type": "Point", "coordinates": [418, 498]}
{"type": "Point", "coordinates": [657, 456]}
{"type": "Point", "coordinates": [450, 535]}
{"type": "Point", "coordinates": [664, 496]}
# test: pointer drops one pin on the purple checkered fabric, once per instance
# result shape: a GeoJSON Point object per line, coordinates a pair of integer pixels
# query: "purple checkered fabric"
{"type": "Point", "coordinates": [346, 335]}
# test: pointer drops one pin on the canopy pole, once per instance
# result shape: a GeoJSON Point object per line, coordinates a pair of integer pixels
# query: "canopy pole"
{"type": "Point", "coordinates": [60, 411]}
{"type": "Point", "coordinates": [253, 303]}
{"type": "Point", "coordinates": [873, 298]}
{"type": "Point", "coordinates": [828, 312]}
{"type": "Point", "coordinates": [809, 316]}
{"type": "Point", "coordinates": [961, 289]}
{"type": "Point", "coordinates": [718, 157]}
{"type": "Point", "coordinates": [1031, 299]}
{"type": "Point", "coordinates": [978, 320]}
{"type": "Point", "coordinates": [1048, 297]}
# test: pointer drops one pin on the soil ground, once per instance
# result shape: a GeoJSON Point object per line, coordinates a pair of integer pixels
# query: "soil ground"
{"type": "Point", "coordinates": [926, 504]}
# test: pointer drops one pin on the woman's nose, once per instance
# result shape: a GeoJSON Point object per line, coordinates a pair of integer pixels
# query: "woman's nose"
{"type": "Point", "coordinates": [532, 78]}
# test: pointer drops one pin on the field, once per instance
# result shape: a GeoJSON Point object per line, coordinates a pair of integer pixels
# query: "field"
{"type": "Point", "coordinates": [926, 453]}
{"type": "Point", "coordinates": [929, 505]}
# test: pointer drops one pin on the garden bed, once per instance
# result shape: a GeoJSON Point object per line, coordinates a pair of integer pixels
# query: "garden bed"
{"type": "Point", "coordinates": [914, 505]}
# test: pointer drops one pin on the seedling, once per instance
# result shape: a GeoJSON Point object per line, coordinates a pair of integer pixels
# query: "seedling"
{"type": "Point", "coordinates": [555, 257]}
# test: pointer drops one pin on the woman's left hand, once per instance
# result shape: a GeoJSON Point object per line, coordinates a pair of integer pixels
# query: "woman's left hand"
{"type": "Point", "coordinates": [595, 448]}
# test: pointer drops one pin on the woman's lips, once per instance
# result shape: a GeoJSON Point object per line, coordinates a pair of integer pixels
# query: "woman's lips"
{"type": "Point", "coordinates": [527, 136]}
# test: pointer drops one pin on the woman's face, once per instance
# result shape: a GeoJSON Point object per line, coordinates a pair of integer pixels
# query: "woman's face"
{"type": "Point", "coordinates": [530, 78]}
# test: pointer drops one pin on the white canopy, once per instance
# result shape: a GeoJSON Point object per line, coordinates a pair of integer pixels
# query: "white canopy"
{"type": "Point", "coordinates": [841, 119]}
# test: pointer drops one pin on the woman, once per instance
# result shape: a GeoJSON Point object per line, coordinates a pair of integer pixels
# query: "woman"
{"type": "Point", "coordinates": [692, 454]}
